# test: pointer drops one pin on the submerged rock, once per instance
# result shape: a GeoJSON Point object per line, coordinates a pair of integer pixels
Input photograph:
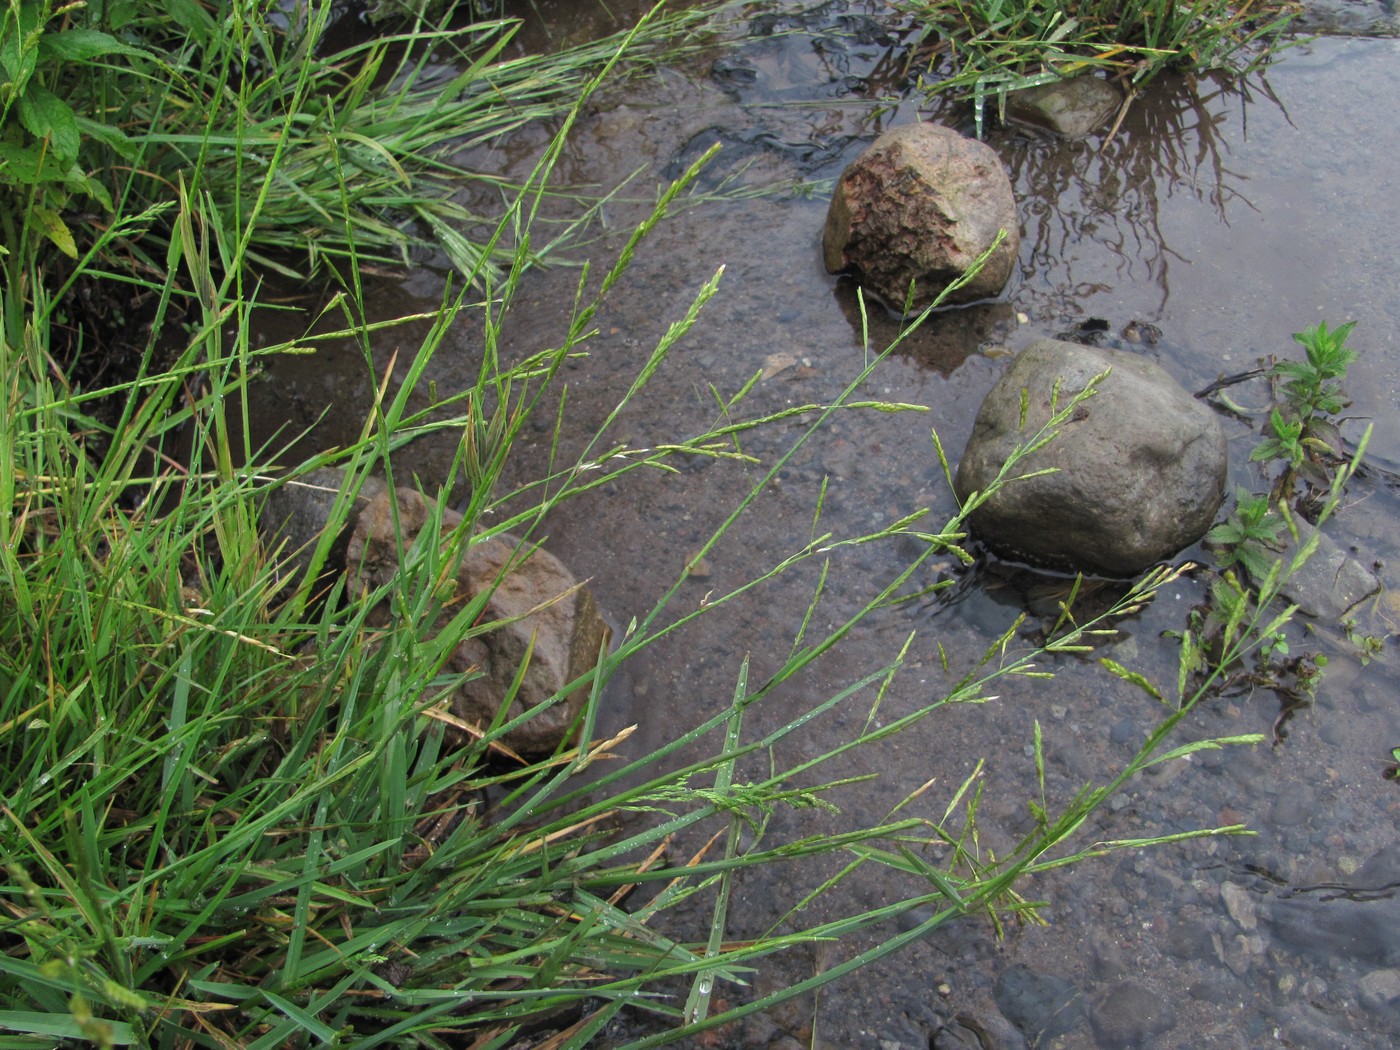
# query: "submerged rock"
{"type": "Point", "coordinates": [1328, 583]}
{"type": "Point", "coordinates": [1074, 108]}
{"type": "Point", "coordinates": [533, 597]}
{"type": "Point", "coordinates": [1131, 1014]}
{"type": "Point", "coordinates": [920, 205]}
{"type": "Point", "coordinates": [1138, 470]}
{"type": "Point", "coordinates": [1357, 919]}
{"type": "Point", "coordinates": [1042, 1006]}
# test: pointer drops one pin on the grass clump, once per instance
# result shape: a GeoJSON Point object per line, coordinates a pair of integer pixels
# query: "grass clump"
{"type": "Point", "coordinates": [984, 48]}
{"type": "Point", "coordinates": [307, 148]}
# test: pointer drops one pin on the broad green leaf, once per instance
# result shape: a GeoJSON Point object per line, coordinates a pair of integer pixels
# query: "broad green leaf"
{"type": "Point", "coordinates": [111, 137]}
{"type": "Point", "coordinates": [78, 45]}
{"type": "Point", "coordinates": [94, 189]}
{"type": "Point", "coordinates": [46, 116]}
{"type": "Point", "coordinates": [18, 56]}
{"type": "Point", "coordinates": [28, 165]}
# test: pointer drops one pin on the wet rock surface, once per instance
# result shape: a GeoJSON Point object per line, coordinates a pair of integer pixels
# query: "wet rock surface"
{"type": "Point", "coordinates": [1331, 582]}
{"type": "Point", "coordinates": [919, 206]}
{"type": "Point", "coordinates": [542, 610]}
{"type": "Point", "coordinates": [1139, 467]}
{"type": "Point", "coordinates": [1131, 1015]}
{"type": "Point", "coordinates": [1355, 919]}
{"type": "Point", "coordinates": [1042, 1006]}
{"type": "Point", "coordinates": [1073, 108]}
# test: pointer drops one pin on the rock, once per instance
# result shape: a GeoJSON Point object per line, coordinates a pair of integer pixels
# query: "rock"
{"type": "Point", "coordinates": [921, 204]}
{"type": "Point", "coordinates": [1129, 1015]}
{"type": "Point", "coordinates": [1074, 108]}
{"type": "Point", "coordinates": [1358, 919]}
{"type": "Point", "coordinates": [1329, 583]}
{"type": "Point", "coordinates": [1241, 905]}
{"type": "Point", "coordinates": [984, 1029]}
{"type": "Point", "coordinates": [532, 595]}
{"type": "Point", "coordinates": [1042, 1006]}
{"type": "Point", "coordinates": [298, 510]}
{"type": "Point", "coordinates": [1380, 992]}
{"type": "Point", "coordinates": [1139, 466]}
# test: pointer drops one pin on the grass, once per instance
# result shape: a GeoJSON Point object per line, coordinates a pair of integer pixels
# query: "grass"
{"type": "Point", "coordinates": [112, 107]}
{"type": "Point", "coordinates": [982, 49]}
{"type": "Point", "coordinates": [233, 814]}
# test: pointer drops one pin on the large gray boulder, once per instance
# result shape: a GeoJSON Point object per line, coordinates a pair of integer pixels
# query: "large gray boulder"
{"type": "Point", "coordinates": [533, 597]}
{"type": "Point", "coordinates": [1139, 468]}
{"type": "Point", "coordinates": [921, 204]}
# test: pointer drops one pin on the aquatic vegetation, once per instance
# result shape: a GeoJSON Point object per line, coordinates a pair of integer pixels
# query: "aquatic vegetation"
{"type": "Point", "coordinates": [1300, 442]}
{"type": "Point", "coordinates": [984, 48]}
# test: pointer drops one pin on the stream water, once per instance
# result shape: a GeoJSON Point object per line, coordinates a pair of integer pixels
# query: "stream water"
{"type": "Point", "coordinates": [1229, 215]}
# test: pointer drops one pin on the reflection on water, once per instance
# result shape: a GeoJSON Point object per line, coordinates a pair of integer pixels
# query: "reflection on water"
{"type": "Point", "coordinates": [1092, 209]}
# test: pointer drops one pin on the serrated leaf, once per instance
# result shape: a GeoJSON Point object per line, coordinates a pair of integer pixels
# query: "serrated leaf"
{"type": "Point", "coordinates": [27, 165]}
{"type": "Point", "coordinates": [46, 116]}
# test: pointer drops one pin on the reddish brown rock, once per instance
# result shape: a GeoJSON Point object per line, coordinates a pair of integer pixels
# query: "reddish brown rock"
{"type": "Point", "coordinates": [921, 205]}
{"type": "Point", "coordinates": [533, 597]}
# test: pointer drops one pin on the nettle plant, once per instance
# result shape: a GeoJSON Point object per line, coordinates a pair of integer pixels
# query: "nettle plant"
{"type": "Point", "coordinates": [1307, 464]}
{"type": "Point", "coordinates": [1302, 437]}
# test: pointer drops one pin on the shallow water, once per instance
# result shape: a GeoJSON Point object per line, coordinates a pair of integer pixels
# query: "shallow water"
{"type": "Point", "coordinates": [1228, 216]}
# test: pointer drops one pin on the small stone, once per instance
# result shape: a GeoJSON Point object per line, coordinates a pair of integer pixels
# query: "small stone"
{"type": "Point", "coordinates": [1130, 1014]}
{"type": "Point", "coordinates": [1241, 905]}
{"type": "Point", "coordinates": [1291, 808]}
{"type": "Point", "coordinates": [1381, 986]}
{"type": "Point", "coordinates": [1124, 731]}
{"type": "Point", "coordinates": [1073, 108]}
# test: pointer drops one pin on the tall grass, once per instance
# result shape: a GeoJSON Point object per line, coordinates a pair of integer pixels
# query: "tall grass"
{"type": "Point", "coordinates": [982, 49]}
{"type": "Point", "coordinates": [234, 814]}
{"type": "Point", "coordinates": [303, 147]}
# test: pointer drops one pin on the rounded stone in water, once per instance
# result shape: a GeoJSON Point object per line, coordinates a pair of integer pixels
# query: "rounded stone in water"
{"type": "Point", "coordinates": [1137, 471]}
{"type": "Point", "coordinates": [919, 206]}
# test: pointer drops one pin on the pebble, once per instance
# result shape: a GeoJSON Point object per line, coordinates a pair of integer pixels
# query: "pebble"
{"type": "Point", "coordinates": [1124, 731]}
{"type": "Point", "coordinates": [1130, 1014]}
{"type": "Point", "coordinates": [1042, 1006]}
{"type": "Point", "coordinates": [1241, 905]}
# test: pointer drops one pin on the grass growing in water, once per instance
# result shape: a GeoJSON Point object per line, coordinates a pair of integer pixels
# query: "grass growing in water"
{"type": "Point", "coordinates": [985, 48]}
{"type": "Point", "coordinates": [232, 814]}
